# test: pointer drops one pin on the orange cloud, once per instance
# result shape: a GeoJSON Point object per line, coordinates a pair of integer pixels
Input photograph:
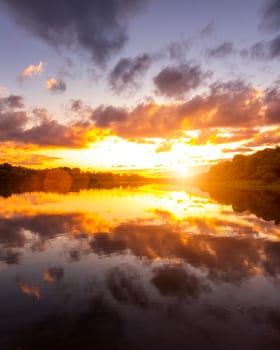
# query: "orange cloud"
{"type": "Point", "coordinates": [228, 112]}
{"type": "Point", "coordinates": [164, 147]}
{"type": "Point", "coordinates": [48, 132]}
{"type": "Point", "coordinates": [32, 70]}
{"type": "Point", "coordinates": [267, 138]}
{"type": "Point", "coordinates": [55, 85]}
{"type": "Point", "coordinates": [53, 274]}
{"type": "Point", "coordinates": [33, 290]}
{"type": "Point", "coordinates": [27, 157]}
{"type": "Point", "coordinates": [227, 105]}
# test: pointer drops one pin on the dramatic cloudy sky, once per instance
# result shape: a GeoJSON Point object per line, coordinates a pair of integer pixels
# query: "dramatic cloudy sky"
{"type": "Point", "coordinates": [138, 84]}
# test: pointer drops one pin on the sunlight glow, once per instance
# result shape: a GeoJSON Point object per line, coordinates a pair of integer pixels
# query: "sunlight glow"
{"type": "Point", "coordinates": [181, 169]}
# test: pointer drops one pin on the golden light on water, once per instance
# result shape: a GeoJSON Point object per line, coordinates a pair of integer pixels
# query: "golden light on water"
{"type": "Point", "coordinates": [101, 210]}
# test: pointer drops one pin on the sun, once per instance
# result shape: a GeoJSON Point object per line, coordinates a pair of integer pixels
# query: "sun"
{"type": "Point", "coordinates": [181, 169]}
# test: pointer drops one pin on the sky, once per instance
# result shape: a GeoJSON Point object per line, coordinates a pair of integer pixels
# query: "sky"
{"type": "Point", "coordinates": [143, 85]}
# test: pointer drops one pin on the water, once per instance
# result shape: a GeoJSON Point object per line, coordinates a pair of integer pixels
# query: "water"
{"type": "Point", "coordinates": [154, 267]}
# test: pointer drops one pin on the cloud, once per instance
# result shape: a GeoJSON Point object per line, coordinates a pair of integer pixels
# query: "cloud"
{"type": "Point", "coordinates": [269, 49]}
{"type": "Point", "coordinates": [125, 287]}
{"type": "Point", "coordinates": [231, 105]}
{"type": "Point", "coordinates": [266, 50]}
{"type": "Point", "coordinates": [208, 30]}
{"type": "Point", "coordinates": [92, 26]}
{"type": "Point", "coordinates": [174, 280]}
{"type": "Point", "coordinates": [67, 68]}
{"type": "Point", "coordinates": [15, 120]}
{"type": "Point", "coordinates": [3, 90]}
{"type": "Point", "coordinates": [11, 102]}
{"type": "Point", "coordinates": [221, 51]}
{"type": "Point", "coordinates": [237, 150]}
{"type": "Point", "coordinates": [52, 133]}
{"type": "Point", "coordinates": [176, 81]}
{"type": "Point", "coordinates": [53, 274]}
{"type": "Point", "coordinates": [234, 104]}
{"type": "Point", "coordinates": [235, 135]}
{"type": "Point", "coordinates": [272, 102]}
{"type": "Point", "coordinates": [271, 15]}
{"type": "Point", "coordinates": [105, 116]}
{"type": "Point", "coordinates": [76, 105]}
{"type": "Point", "coordinates": [55, 85]}
{"type": "Point", "coordinates": [29, 290]}
{"type": "Point", "coordinates": [176, 50]}
{"type": "Point", "coordinates": [164, 147]}
{"type": "Point", "coordinates": [127, 73]}
{"type": "Point", "coordinates": [31, 71]}
{"type": "Point", "coordinates": [258, 50]}
{"type": "Point", "coordinates": [227, 112]}
{"type": "Point", "coordinates": [265, 139]}
{"type": "Point", "coordinates": [148, 120]}
{"type": "Point", "coordinates": [152, 240]}
{"type": "Point", "coordinates": [227, 105]}
{"type": "Point", "coordinates": [24, 158]}
{"type": "Point", "coordinates": [80, 109]}
{"type": "Point", "coordinates": [11, 123]}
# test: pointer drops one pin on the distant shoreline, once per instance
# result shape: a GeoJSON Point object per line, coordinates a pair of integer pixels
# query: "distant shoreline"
{"type": "Point", "coordinates": [240, 185]}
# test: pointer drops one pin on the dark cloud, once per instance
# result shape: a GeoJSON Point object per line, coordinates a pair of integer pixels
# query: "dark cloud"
{"type": "Point", "coordinates": [11, 102]}
{"type": "Point", "coordinates": [274, 47]}
{"type": "Point", "coordinates": [105, 116]}
{"type": "Point", "coordinates": [272, 102]}
{"type": "Point", "coordinates": [230, 87]}
{"type": "Point", "coordinates": [272, 264]}
{"type": "Point", "coordinates": [271, 15]}
{"type": "Point", "coordinates": [97, 27]}
{"type": "Point", "coordinates": [222, 50]}
{"type": "Point", "coordinates": [127, 73]}
{"type": "Point", "coordinates": [12, 118]}
{"type": "Point", "coordinates": [172, 280]}
{"type": "Point", "coordinates": [259, 50]}
{"type": "Point", "coordinates": [125, 287]}
{"type": "Point", "coordinates": [208, 29]}
{"type": "Point", "coordinates": [177, 50]}
{"type": "Point", "coordinates": [176, 81]}
{"type": "Point", "coordinates": [55, 85]}
{"type": "Point", "coordinates": [67, 68]}
{"type": "Point", "coordinates": [266, 50]}
{"type": "Point", "coordinates": [76, 105]}
{"type": "Point", "coordinates": [51, 133]}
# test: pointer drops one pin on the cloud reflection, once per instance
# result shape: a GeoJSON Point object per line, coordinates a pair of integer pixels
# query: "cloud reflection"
{"type": "Point", "coordinates": [122, 266]}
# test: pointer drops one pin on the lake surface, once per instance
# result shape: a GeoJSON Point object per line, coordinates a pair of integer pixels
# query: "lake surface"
{"type": "Point", "coordinates": [154, 267]}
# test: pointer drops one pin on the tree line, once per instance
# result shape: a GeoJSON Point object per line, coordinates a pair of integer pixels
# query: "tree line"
{"type": "Point", "coordinates": [18, 179]}
{"type": "Point", "coordinates": [262, 167]}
